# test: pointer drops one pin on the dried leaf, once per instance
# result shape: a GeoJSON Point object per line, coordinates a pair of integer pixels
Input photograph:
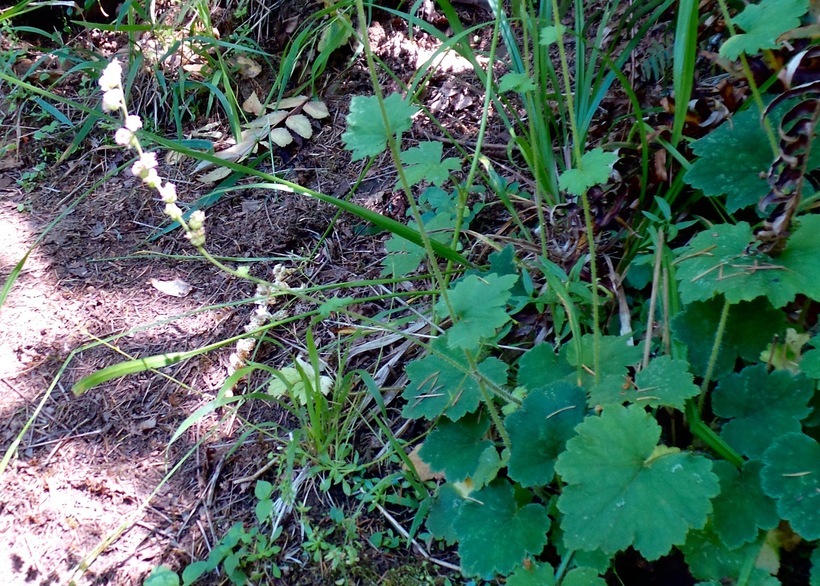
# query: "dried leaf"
{"type": "Point", "coordinates": [290, 103]}
{"type": "Point", "coordinates": [316, 110]}
{"type": "Point", "coordinates": [300, 125]}
{"type": "Point", "coordinates": [239, 151]}
{"type": "Point", "coordinates": [281, 137]}
{"type": "Point", "coordinates": [268, 120]}
{"type": "Point", "coordinates": [252, 105]}
{"type": "Point", "coordinates": [215, 175]}
{"type": "Point", "coordinates": [248, 68]}
{"type": "Point", "coordinates": [175, 288]}
{"type": "Point", "coordinates": [422, 468]}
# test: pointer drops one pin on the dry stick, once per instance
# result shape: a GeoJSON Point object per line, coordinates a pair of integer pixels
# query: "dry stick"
{"type": "Point", "coordinates": [653, 298]}
{"type": "Point", "coordinates": [419, 548]}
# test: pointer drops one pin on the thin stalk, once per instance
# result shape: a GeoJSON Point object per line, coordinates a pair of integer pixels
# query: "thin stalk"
{"type": "Point", "coordinates": [576, 150]}
{"type": "Point", "coordinates": [707, 378]}
{"type": "Point", "coordinates": [395, 153]}
{"type": "Point", "coordinates": [747, 71]}
{"type": "Point", "coordinates": [653, 297]}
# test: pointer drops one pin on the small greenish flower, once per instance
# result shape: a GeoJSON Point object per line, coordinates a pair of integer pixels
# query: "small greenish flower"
{"type": "Point", "coordinates": [111, 76]}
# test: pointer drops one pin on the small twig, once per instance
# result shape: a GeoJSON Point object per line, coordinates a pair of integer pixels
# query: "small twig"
{"type": "Point", "coordinates": [256, 474]}
{"type": "Point", "coordinates": [419, 548]}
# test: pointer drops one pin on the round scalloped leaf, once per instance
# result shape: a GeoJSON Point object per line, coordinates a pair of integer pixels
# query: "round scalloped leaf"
{"type": "Point", "coordinates": [539, 430]}
{"type": "Point", "coordinates": [366, 134]}
{"type": "Point", "coordinates": [624, 490]}
{"type": "Point", "coordinates": [438, 386]}
{"type": "Point", "coordinates": [532, 574]}
{"type": "Point", "coordinates": [496, 534]}
{"type": "Point", "coordinates": [755, 400]}
{"type": "Point", "coordinates": [741, 509]}
{"type": "Point", "coordinates": [791, 475]}
{"type": "Point", "coordinates": [456, 447]}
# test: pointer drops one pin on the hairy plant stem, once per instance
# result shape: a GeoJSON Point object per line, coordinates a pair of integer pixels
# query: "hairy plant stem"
{"type": "Point", "coordinates": [576, 151]}
{"type": "Point", "coordinates": [708, 436]}
{"type": "Point", "coordinates": [710, 368]}
{"type": "Point", "coordinates": [396, 155]}
{"type": "Point", "coordinates": [487, 398]}
{"type": "Point", "coordinates": [747, 71]}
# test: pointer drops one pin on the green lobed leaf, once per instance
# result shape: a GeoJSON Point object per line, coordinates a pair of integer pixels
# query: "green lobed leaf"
{"type": "Point", "coordinates": [455, 447]}
{"type": "Point", "coordinates": [444, 511]}
{"type": "Point", "coordinates": [708, 557]}
{"type": "Point", "coordinates": [583, 577]}
{"type": "Point", "coordinates": [541, 366]}
{"type": "Point", "coordinates": [756, 400]}
{"type": "Point", "coordinates": [741, 509]}
{"type": "Point", "coordinates": [539, 430]}
{"type": "Point", "coordinates": [763, 23]}
{"type": "Point", "coordinates": [622, 489]}
{"type": "Point", "coordinates": [664, 382]}
{"type": "Point", "coordinates": [438, 386]}
{"type": "Point", "coordinates": [518, 82]}
{"type": "Point", "coordinates": [615, 355]}
{"type": "Point", "coordinates": [594, 169]}
{"type": "Point", "coordinates": [423, 163]}
{"type": "Point", "coordinates": [403, 257]}
{"type": "Point", "coordinates": [474, 321]}
{"type": "Point", "coordinates": [791, 475]}
{"type": "Point", "coordinates": [750, 327]}
{"type": "Point", "coordinates": [723, 260]}
{"type": "Point", "coordinates": [533, 574]}
{"type": "Point", "coordinates": [733, 160]}
{"type": "Point", "coordinates": [492, 516]}
{"type": "Point", "coordinates": [366, 135]}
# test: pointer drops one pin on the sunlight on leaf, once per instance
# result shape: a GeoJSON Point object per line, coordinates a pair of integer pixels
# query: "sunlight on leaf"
{"type": "Point", "coordinates": [366, 135]}
{"type": "Point", "coordinates": [594, 169]}
{"type": "Point", "coordinates": [763, 23]}
{"type": "Point", "coordinates": [423, 163]}
{"type": "Point", "coordinates": [619, 484]}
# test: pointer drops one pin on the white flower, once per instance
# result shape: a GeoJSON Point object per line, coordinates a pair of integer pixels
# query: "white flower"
{"type": "Point", "coordinates": [172, 211]}
{"type": "Point", "coordinates": [197, 237]}
{"type": "Point", "coordinates": [113, 100]}
{"type": "Point", "coordinates": [168, 192]}
{"type": "Point", "coordinates": [133, 122]}
{"type": "Point", "coordinates": [111, 77]}
{"type": "Point", "coordinates": [146, 162]}
{"type": "Point", "coordinates": [152, 179]}
{"type": "Point", "coordinates": [124, 137]}
{"type": "Point", "coordinates": [197, 220]}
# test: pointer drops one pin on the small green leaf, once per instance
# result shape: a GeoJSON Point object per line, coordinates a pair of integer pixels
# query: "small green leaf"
{"type": "Point", "coordinates": [335, 304]}
{"type": "Point", "coordinates": [455, 447]}
{"type": "Point", "coordinates": [550, 34]}
{"type": "Point", "coordinates": [750, 327]}
{"type": "Point", "coordinates": [791, 475]}
{"type": "Point", "coordinates": [366, 135]}
{"type": "Point", "coordinates": [438, 386]}
{"type": "Point", "coordinates": [423, 163]}
{"type": "Point", "coordinates": [474, 321]}
{"type": "Point", "coordinates": [763, 23]}
{"type": "Point", "coordinates": [755, 400]}
{"type": "Point", "coordinates": [403, 257]}
{"type": "Point", "coordinates": [519, 82]}
{"type": "Point", "coordinates": [620, 483]}
{"type": "Point", "coordinates": [192, 572]}
{"type": "Point", "coordinates": [741, 509]}
{"type": "Point", "coordinates": [594, 169]}
{"type": "Point", "coordinates": [539, 430]}
{"type": "Point", "coordinates": [534, 574]}
{"type": "Point", "coordinates": [263, 489]}
{"type": "Point", "coordinates": [161, 576]}
{"type": "Point", "coordinates": [263, 510]}
{"type": "Point", "coordinates": [495, 534]}
{"type": "Point", "coordinates": [664, 382]}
